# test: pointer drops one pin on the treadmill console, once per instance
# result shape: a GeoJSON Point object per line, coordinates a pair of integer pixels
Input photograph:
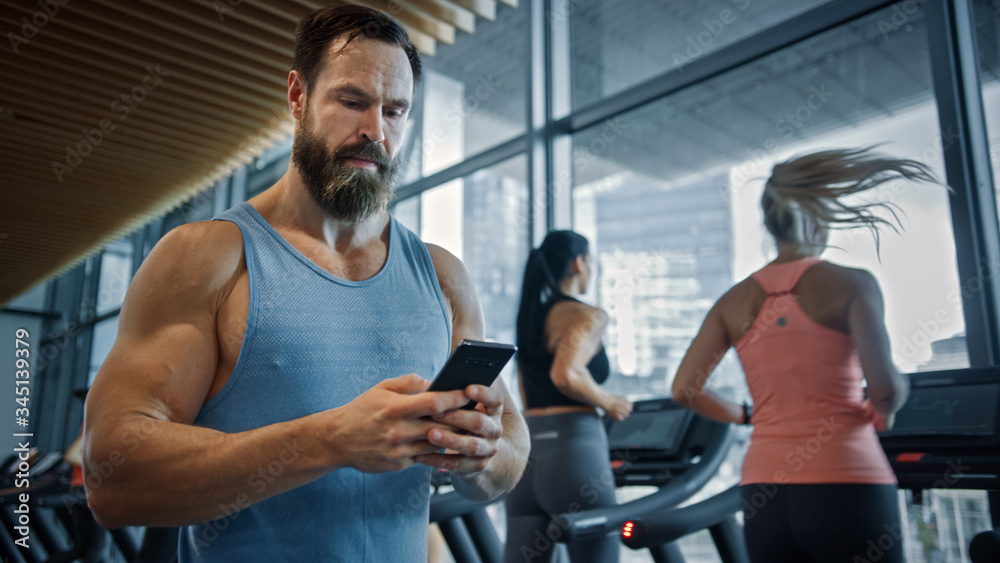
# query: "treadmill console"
{"type": "Point", "coordinates": [647, 447]}
{"type": "Point", "coordinates": [948, 432]}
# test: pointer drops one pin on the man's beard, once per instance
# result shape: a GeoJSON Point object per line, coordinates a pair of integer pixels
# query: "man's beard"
{"type": "Point", "coordinates": [346, 193]}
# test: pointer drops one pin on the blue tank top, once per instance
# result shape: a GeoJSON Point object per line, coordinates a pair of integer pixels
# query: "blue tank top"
{"type": "Point", "coordinates": [315, 342]}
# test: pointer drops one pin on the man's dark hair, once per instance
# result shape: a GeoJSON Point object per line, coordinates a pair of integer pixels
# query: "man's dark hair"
{"type": "Point", "coordinates": [318, 29]}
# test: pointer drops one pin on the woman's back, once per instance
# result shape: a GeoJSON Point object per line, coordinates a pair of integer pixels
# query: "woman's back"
{"type": "Point", "coordinates": [792, 336]}
{"type": "Point", "coordinates": [566, 321]}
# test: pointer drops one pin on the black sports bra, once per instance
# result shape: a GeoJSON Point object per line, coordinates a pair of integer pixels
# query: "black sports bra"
{"type": "Point", "coordinates": [536, 365]}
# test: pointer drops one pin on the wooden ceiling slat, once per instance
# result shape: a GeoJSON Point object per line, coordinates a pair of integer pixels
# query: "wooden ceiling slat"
{"type": "Point", "coordinates": [86, 184]}
{"type": "Point", "coordinates": [202, 23]}
{"type": "Point", "coordinates": [447, 12]}
{"type": "Point", "coordinates": [486, 9]}
{"type": "Point", "coordinates": [422, 42]}
{"type": "Point", "coordinates": [127, 46]}
{"type": "Point", "coordinates": [82, 200]}
{"type": "Point", "coordinates": [277, 15]}
{"type": "Point", "coordinates": [89, 115]}
{"type": "Point", "coordinates": [124, 165]}
{"type": "Point", "coordinates": [191, 133]}
{"type": "Point", "coordinates": [192, 81]}
{"type": "Point", "coordinates": [145, 143]}
{"type": "Point", "coordinates": [177, 99]}
{"type": "Point", "coordinates": [117, 172]}
{"type": "Point", "coordinates": [408, 16]}
{"type": "Point", "coordinates": [222, 100]}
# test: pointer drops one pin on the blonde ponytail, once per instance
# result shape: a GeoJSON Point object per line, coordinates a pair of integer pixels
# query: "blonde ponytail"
{"type": "Point", "coordinates": [804, 193]}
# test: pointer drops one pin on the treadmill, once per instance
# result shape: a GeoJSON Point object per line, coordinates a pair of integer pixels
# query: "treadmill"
{"type": "Point", "coordinates": [677, 450]}
{"type": "Point", "coordinates": [661, 444]}
{"type": "Point", "coordinates": [947, 436]}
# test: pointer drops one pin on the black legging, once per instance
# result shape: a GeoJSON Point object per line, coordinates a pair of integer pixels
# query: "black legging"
{"type": "Point", "coordinates": [568, 471]}
{"type": "Point", "coordinates": [835, 523]}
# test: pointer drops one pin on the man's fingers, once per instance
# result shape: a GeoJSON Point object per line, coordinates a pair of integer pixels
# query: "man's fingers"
{"type": "Point", "coordinates": [489, 397]}
{"type": "Point", "coordinates": [473, 422]}
{"type": "Point", "coordinates": [472, 446]}
{"type": "Point", "coordinates": [454, 462]}
{"type": "Point", "coordinates": [406, 384]}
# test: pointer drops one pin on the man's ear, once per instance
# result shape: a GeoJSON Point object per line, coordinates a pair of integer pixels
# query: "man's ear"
{"type": "Point", "coordinates": [296, 94]}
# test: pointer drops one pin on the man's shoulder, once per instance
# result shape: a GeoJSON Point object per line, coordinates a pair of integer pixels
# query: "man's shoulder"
{"type": "Point", "coordinates": [215, 239]}
{"type": "Point", "coordinates": [442, 258]}
{"type": "Point", "coordinates": [207, 251]}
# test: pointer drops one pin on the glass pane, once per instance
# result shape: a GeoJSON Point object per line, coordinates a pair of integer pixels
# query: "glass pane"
{"type": "Point", "coordinates": [474, 94]}
{"type": "Point", "coordinates": [941, 527]}
{"type": "Point", "coordinates": [670, 194]}
{"type": "Point", "coordinates": [407, 212]}
{"type": "Point", "coordinates": [616, 44]}
{"type": "Point", "coordinates": [116, 274]}
{"type": "Point", "coordinates": [481, 219]}
{"type": "Point", "coordinates": [105, 333]}
{"type": "Point", "coordinates": [987, 18]}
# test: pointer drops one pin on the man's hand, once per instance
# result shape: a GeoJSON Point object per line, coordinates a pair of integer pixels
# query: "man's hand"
{"type": "Point", "coordinates": [472, 436]}
{"type": "Point", "coordinates": [384, 428]}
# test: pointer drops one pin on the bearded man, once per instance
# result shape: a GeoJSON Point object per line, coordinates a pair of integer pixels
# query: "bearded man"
{"type": "Point", "coordinates": [256, 393]}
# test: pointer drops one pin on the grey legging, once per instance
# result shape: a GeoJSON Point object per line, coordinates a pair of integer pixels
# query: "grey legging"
{"type": "Point", "coordinates": [568, 471]}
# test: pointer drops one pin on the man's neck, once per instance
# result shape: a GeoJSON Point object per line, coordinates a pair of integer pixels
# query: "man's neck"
{"type": "Point", "coordinates": [287, 206]}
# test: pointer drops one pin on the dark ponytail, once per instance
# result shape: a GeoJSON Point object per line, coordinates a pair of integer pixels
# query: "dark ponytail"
{"type": "Point", "coordinates": [547, 265]}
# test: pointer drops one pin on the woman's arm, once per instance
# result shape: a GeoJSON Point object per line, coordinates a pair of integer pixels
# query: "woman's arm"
{"type": "Point", "coordinates": [576, 346]}
{"type": "Point", "coordinates": [887, 388]}
{"type": "Point", "coordinates": [705, 352]}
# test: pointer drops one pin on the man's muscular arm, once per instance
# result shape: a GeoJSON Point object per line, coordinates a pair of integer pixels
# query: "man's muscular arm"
{"type": "Point", "coordinates": [145, 462]}
{"type": "Point", "coordinates": [491, 458]}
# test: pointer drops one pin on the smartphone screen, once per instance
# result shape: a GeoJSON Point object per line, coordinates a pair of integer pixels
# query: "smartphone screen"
{"type": "Point", "coordinates": [473, 363]}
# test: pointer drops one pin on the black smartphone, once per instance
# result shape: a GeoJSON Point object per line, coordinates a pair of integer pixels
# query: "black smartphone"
{"type": "Point", "coordinates": [472, 363]}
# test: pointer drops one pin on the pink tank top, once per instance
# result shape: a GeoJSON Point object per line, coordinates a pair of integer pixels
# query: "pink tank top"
{"type": "Point", "coordinates": [810, 421]}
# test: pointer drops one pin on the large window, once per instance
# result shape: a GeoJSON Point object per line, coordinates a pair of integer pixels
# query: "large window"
{"type": "Point", "coordinates": [116, 273]}
{"type": "Point", "coordinates": [987, 17]}
{"type": "Point", "coordinates": [472, 96]}
{"type": "Point", "coordinates": [669, 193]}
{"type": "Point", "coordinates": [616, 45]}
{"type": "Point", "coordinates": [481, 219]}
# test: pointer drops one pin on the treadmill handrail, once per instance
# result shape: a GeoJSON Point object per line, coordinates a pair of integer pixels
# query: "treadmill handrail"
{"type": "Point", "coordinates": [672, 524]}
{"type": "Point", "coordinates": [573, 526]}
{"type": "Point", "coordinates": [446, 506]}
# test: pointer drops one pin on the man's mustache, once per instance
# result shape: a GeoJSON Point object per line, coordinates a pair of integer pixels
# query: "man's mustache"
{"type": "Point", "coordinates": [369, 151]}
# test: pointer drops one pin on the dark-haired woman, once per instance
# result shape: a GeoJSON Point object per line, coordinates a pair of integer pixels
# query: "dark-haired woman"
{"type": "Point", "coordinates": [816, 484]}
{"type": "Point", "coordinates": [562, 364]}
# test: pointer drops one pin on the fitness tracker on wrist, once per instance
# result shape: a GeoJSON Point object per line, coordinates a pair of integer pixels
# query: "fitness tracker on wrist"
{"type": "Point", "coordinates": [747, 411]}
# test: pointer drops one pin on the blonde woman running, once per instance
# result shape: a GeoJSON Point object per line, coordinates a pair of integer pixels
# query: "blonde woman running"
{"type": "Point", "coordinates": [816, 485]}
